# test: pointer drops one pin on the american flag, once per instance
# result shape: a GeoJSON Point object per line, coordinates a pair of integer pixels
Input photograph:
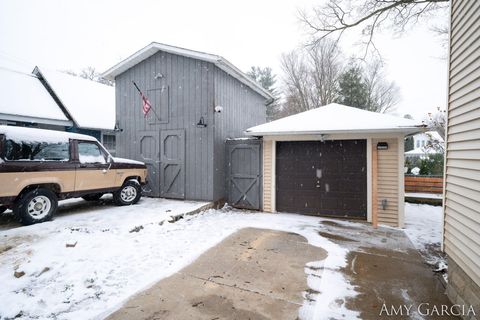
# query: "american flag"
{"type": "Point", "coordinates": [146, 105]}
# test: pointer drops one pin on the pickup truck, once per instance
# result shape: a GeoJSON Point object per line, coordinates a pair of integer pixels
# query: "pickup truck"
{"type": "Point", "coordinates": [39, 167]}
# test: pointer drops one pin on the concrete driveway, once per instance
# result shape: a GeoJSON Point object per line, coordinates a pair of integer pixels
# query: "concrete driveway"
{"type": "Point", "coordinates": [253, 274]}
{"type": "Point", "coordinates": [261, 274]}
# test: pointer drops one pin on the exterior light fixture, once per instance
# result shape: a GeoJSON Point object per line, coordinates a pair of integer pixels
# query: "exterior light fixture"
{"type": "Point", "coordinates": [117, 128]}
{"type": "Point", "coordinates": [382, 146]}
{"type": "Point", "coordinates": [201, 123]}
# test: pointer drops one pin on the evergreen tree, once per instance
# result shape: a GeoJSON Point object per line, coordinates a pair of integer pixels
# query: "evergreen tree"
{"type": "Point", "coordinates": [352, 88]}
{"type": "Point", "coordinates": [266, 78]}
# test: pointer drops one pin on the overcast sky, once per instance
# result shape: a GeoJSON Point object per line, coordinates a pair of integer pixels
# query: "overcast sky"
{"type": "Point", "coordinates": [74, 34]}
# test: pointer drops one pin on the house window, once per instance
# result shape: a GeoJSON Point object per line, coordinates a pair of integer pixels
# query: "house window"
{"type": "Point", "coordinates": [418, 144]}
{"type": "Point", "coordinates": [109, 142]}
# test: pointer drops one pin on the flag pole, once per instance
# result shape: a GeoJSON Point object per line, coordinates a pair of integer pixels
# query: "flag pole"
{"type": "Point", "coordinates": [151, 107]}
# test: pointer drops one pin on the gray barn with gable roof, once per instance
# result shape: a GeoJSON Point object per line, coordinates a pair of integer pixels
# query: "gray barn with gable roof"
{"type": "Point", "coordinates": [199, 100]}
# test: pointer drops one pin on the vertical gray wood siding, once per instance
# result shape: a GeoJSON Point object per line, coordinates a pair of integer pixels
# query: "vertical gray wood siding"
{"type": "Point", "coordinates": [242, 108]}
{"type": "Point", "coordinates": [188, 84]}
{"type": "Point", "coordinates": [462, 176]}
{"type": "Point", "coordinates": [182, 90]}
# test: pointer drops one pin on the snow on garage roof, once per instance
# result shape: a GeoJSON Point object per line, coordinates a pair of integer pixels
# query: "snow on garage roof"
{"type": "Point", "coordinates": [24, 98]}
{"type": "Point", "coordinates": [336, 118]}
{"type": "Point", "coordinates": [90, 104]}
{"type": "Point", "coordinates": [219, 61]}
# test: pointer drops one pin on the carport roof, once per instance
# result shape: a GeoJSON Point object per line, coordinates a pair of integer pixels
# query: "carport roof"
{"type": "Point", "coordinates": [336, 118]}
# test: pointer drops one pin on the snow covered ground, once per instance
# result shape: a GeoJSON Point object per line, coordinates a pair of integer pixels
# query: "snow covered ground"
{"type": "Point", "coordinates": [90, 259]}
{"type": "Point", "coordinates": [423, 225]}
{"type": "Point", "coordinates": [84, 265]}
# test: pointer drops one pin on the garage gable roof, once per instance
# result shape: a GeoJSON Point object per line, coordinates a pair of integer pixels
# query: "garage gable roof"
{"type": "Point", "coordinates": [336, 118]}
{"type": "Point", "coordinates": [219, 61]}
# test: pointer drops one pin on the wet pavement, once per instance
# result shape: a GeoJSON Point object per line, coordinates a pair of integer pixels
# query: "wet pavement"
{"type": "Point", "coordinates": [260, 274]}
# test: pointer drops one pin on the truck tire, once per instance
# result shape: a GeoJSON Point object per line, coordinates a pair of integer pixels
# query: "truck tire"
{"type": "Point", "coordinates": [129, 193]}
{"type": "Point", "coordinates": [92, 197]}
{"type": "Point", "coordinates": [35, 206]}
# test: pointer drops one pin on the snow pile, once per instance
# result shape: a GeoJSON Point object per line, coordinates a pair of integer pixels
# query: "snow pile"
{"type": "Point", "coordinates": [83, 266]}
{"type": "Point", "coordinates": [415, 171]}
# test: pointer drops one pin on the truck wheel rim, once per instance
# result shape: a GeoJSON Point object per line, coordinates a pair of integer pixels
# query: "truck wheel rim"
{"type": "Point", "coordinates": [128, 194]}
{"type": "Point", "coordinates": [39, 207]}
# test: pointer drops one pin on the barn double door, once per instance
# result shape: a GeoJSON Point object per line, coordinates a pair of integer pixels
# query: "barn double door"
{"type": "Point", "coordinates": [327, 178]}
{"type": "Point", "coordinates": [172, 164]}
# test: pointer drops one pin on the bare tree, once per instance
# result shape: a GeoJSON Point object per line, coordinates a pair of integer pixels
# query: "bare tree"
{"type": "Point", "coordinates": [336, 16]}
{"type": "Point", "coordinates": [311, 77]}
{"type": "Point", "coordinates": [70, 72]}
{"type": "Point", "coordinates": [325, 70]}
{"type": "Point", "coordinates": [90, 73]}
{"type": "Point", "coordinates": [382, 95]}
{"type": "Point", "coordinates": [437, 121]}
{"type": "Point", "coordinates": [298, 95]}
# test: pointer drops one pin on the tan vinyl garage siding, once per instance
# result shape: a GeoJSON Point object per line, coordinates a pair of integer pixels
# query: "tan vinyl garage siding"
{"type": "Point", "coordinates": [388, 182]}
{"type": "Point", "coordinates": [268, 174]}
{"type": "Point", "coordinates": [462, 186]}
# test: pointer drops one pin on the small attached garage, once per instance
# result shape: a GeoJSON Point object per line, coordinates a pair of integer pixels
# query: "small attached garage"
{"type": "Point", "coordinates": [336, 161]}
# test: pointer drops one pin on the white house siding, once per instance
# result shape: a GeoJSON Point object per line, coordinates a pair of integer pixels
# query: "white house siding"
{"type": "Point", "coordinates": [462, 174]}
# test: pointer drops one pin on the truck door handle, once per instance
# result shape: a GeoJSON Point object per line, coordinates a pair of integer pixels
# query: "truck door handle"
{"type": "Point", "coordinates": [104, 171]}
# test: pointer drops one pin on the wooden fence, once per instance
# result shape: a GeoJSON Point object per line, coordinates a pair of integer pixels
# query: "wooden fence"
{"type": "Point", "coordinates": [423, 184]}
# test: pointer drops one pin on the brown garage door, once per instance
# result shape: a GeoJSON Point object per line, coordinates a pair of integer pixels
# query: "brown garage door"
{"type": "Point", "coordinates": [322, 178]}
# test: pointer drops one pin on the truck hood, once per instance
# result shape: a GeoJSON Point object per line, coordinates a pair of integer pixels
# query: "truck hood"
{"type": "Point", "coordinates": [127, 163]}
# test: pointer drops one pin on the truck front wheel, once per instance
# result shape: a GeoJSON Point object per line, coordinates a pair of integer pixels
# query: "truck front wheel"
{"type": "Point", "coordinates": [129, 193]}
